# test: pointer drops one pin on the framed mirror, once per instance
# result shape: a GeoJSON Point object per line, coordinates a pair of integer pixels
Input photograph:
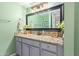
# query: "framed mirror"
{"type": "Point", "coordinates": [48, 18]}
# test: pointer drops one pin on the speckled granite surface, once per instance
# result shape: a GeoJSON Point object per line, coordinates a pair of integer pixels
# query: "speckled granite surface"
{"type": "Point", "coordinates": [44, 38]}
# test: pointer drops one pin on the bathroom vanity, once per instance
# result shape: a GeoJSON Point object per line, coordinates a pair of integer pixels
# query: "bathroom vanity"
{"type": "Point", "coordinates": [42, 43]}
{"type": "Point", "coordinates": [38, 45]}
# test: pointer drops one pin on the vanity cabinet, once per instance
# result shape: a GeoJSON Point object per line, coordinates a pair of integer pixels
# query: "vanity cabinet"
{"type": "Point", "coordinates": [52, 49]}
{"type": "Point", "coordinates": [31, 42]}
{"type": "Point", "coordinates": [46, 53]}
{"type": "Point", "coordinates": [60, 50]}
{"type": "Point", "coordinates": [25, 49]}
{"type": "Point", "coordinates": [34, 51]}
{"type": "Point", "coordinates": [31, 47]}
{"type": "Point", "coordinates": [18, 46]}
{"type": "Point", "coordinates": [49, 47]}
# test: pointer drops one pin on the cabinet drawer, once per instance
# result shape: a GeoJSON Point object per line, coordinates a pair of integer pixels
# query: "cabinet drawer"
{"type": "Point", "coordinates": [31, 42]}
{"type": "Point", "coordinates": [46, 53]}
{"type": "Point", "coordinates": [49, 47]}
{"type": "Point", "coordinates": [18, 39]}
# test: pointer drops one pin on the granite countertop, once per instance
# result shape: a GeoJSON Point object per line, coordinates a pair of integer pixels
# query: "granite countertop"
{"type": "Point", "coordinates": [43, 38]}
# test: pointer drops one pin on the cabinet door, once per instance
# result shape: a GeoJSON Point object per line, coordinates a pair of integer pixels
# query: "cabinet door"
{"type": "Point", "coordinates": [25, 49]}
{"type": "Point", "coordinates": [34, 51]}
{"type": "Point", "coordinates": [46, 53]}
{"type": "Point", "coordinates": [18, 48]}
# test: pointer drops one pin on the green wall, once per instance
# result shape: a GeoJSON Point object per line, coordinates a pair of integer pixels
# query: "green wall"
{"type": "Point", "coordinates": [76, 50]}
{"type": "Point", "coordinates": [69, 9]}
{"type": "Point", "coordinates": [71, 41]}
{"type": "Point", "coordinates": [11, 12]}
